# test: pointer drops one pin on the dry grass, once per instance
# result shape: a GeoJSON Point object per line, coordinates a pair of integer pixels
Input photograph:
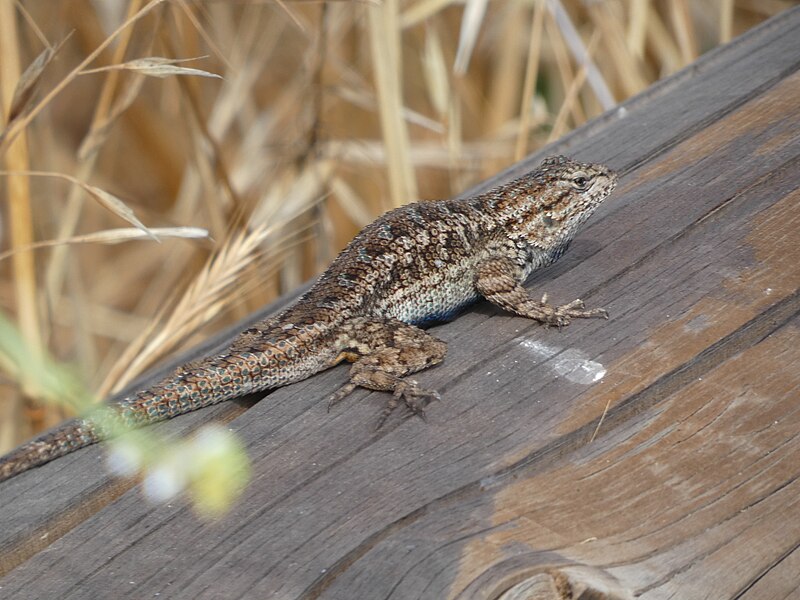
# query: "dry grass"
{"type": "Point", "coordinates": [326, 115]}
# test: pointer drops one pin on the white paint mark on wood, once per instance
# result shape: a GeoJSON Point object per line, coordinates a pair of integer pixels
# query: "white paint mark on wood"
{"type": "Point", "coordinates": [571, 364]}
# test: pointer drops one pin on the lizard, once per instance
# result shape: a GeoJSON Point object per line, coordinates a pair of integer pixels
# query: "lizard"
{"type": "Point", "coordinates": [414, 266]}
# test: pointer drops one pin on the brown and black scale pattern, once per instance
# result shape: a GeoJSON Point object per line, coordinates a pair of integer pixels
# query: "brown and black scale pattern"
{"type": "Point", "coordinates": [413, 266]}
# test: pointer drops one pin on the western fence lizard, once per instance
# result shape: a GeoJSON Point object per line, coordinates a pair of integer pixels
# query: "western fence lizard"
{"type": "Point", "coordinates": [413, 266]}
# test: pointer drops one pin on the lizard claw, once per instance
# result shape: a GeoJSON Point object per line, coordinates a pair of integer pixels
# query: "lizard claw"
{"type": "Point", "coordinates": [410, 393]}
{"type": "Point", "coordinates": [561, 316]}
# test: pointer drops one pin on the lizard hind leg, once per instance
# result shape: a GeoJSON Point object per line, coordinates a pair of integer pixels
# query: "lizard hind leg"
{"type": "Point", "coordinates": [383, 353]}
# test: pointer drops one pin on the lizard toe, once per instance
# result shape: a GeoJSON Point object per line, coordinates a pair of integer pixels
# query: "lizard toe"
{"type": "Point", "coordinates": [340, 394]}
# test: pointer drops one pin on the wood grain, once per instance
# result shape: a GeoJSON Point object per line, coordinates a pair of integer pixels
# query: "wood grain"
{"type": "Point", "coordinates": [673, 476]}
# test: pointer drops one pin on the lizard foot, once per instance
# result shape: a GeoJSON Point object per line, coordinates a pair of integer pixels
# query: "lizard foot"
{"type": "Point", "coordinates": [408, 391]}
{"type": "Point", "coordinates": [562, 315]}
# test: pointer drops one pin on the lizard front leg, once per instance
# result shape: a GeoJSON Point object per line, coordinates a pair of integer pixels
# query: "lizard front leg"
{"type": "Point", "coordinates": [498, 280]}
{"type": "Point", "coordinates": [383, 352]}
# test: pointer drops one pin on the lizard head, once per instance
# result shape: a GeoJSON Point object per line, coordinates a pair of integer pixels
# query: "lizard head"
{"type": "Point", "coordinates": [545, 208]}
{"type": "Point", "coordinates": [571, 191]}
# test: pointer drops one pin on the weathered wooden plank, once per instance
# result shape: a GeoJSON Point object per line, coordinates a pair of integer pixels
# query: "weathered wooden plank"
{"type": "Point", "coordinates": [777, 581]}
{"type": "Point", "coordinates": [696, 260]}
{"type": "Point", "coordinates": [652, 505]}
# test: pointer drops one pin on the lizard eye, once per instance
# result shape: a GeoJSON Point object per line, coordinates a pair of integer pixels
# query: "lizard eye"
{"type": "Point", "coordinates": [580, 182]}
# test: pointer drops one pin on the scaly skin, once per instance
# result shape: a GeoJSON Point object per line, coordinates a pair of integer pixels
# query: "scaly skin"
{"type": "Point", "coordinates": [415, 265]}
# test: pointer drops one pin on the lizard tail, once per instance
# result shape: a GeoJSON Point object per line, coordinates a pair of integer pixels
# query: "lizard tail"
{"type": "Point", "coordinates": [192, 386]}
{"type": "Point", "coordinates": [66, 438]}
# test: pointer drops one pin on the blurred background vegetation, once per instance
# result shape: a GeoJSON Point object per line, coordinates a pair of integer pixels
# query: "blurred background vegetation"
{"type": "Point", "coordinates": [326, 114]}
